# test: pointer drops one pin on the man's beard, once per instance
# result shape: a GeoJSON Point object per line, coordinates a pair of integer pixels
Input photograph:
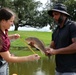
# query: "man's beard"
{"type": "Point", "coordinates": [60, 20]}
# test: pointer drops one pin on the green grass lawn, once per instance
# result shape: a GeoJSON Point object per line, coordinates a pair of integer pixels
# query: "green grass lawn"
{"type": "Point", "coordinates": [20, 43]}
{"type": "Point", "coordinates": [43, 36]}
{"type": "Point", "coordinates": [26, 52]}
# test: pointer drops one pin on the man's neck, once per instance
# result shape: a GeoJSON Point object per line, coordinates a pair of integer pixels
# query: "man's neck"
{"type": "Point", "coordinates": [62, 24]}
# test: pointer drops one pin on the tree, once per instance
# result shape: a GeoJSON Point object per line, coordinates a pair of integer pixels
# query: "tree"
{"type": "Point", "coordinates": [5, 3]}
{"type": "Point", "coordinates": [26, 11]}
{"type": "Point", "coordinates": [71, 7]}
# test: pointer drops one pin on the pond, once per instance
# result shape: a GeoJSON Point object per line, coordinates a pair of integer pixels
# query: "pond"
{"type": "Point", "coordinates": [44, 66]}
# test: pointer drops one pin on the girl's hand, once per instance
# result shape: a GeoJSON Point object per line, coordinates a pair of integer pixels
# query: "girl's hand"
{"type": "Point", "coordinates": [33, 57]}
{"type": "Point", "coordinates": [16, 36]}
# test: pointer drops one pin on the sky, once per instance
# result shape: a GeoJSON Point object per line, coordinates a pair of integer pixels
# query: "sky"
{"type": "Point", "coordinates": [28, 28]}
{"type": "Point", "coordinates": [42, 1]}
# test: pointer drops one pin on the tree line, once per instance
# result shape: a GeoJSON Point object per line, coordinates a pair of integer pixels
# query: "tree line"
{"type": "Point", "coordinates": [28, 14]}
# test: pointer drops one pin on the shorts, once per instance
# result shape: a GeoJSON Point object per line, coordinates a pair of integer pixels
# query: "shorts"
{"type": "Point", "coordinates": [4, 69]}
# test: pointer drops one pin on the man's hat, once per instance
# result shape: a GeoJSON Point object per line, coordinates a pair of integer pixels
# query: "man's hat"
{"type": "Point", "coordinates": [59, 8]}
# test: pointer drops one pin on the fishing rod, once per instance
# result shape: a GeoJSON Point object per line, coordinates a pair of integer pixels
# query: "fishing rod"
{"type": "Point", "coordinates": [27, 45]}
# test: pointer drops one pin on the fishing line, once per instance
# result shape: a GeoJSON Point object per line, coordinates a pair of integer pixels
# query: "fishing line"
{"type": "Point", "coordinates": [28, 46]}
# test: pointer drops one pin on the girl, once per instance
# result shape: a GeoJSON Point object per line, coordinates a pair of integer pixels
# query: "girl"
{"type": "Point", "coordinates": [6, 20]}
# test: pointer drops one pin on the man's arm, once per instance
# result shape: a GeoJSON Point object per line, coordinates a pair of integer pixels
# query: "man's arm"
{"type": "Point", "coordinates": [66, 50]}
{"type": "Point", "coordinates": [52, 45]}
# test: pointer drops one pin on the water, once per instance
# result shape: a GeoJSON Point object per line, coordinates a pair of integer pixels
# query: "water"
{"type": "Point", "coordinates": [44, 66]}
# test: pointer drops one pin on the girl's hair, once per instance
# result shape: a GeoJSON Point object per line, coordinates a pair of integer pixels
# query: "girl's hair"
{"type": "Point", "coordinates": [6, 14]}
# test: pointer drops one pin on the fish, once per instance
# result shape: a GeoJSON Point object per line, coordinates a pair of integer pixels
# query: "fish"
{"type": "Point", "coordinates": [38, 44]}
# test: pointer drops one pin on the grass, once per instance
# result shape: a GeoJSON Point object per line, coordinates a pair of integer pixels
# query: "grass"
{"type": "Point", "coordinates": [43, 36]}
{"type": "Point", "coordinates": [20, 43]}
{"type": "Point", "coordinates": [26, 52]}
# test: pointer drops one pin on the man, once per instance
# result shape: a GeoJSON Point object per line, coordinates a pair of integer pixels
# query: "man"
{"type": "Point", "coordinates": [63, 44]}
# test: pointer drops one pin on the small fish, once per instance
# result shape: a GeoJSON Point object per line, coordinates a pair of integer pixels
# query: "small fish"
{"type": "Point", "coordinates": [36, 43]}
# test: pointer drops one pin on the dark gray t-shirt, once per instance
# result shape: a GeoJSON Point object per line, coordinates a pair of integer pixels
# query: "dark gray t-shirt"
{"type": "Point", "coordinates": [63, 38]}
